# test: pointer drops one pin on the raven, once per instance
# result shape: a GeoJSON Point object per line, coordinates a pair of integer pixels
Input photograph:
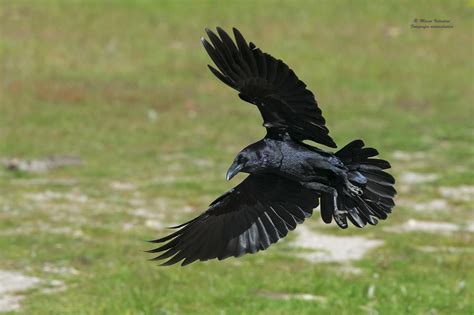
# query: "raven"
{"type": "Point", "coordinates": [288, 177]}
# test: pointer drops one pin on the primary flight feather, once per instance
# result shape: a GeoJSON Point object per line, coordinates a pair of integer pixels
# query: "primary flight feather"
{"type": "Point", "coordinates": [288, 178]}
{"type": "Point", "coordinates": [283, 100]}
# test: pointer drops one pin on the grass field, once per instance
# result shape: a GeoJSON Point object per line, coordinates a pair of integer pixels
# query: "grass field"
{"type": "Point", "coordinates": [123, 85]}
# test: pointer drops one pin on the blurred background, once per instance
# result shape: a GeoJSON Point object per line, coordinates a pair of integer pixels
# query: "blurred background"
{"type": "Point", "coordinates": [112, 128]}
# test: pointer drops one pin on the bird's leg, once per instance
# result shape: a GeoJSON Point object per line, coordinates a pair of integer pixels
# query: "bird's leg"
{"type": "Point", "coordinates": [351, 187]}
{"type": "Point", "coordinates": [330, 190]}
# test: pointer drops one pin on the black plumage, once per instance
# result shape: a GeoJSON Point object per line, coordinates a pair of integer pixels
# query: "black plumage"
{"type": "Point", "coordinates": [287, 177]}
{"type": "Point", "coordinates": [250, 217]}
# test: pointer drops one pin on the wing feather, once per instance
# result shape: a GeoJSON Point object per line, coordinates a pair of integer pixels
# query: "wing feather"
{"type": "Point", "coordinates": [286, 105]}
{"type": "Point", "coordinates": [249, 218]}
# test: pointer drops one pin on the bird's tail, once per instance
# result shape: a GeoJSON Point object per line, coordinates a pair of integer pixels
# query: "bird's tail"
{"type": "Point", "coordinates": [375, 200]}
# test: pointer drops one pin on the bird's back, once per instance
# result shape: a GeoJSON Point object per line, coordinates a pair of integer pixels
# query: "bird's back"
{"type": "Point", "coordinates": [302, 162]}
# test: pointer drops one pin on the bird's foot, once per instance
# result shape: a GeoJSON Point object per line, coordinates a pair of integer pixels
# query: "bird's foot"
{"type": "Point", "coordinates": [340, 217]}
{"type": "Point", "coordinates": [354, 189]}
{"type": "Point", "coordinates": [340, 213]}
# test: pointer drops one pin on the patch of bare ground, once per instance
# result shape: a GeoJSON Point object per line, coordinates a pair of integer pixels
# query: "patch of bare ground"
{"type": "Point", "coordinates": [460, 193]}
{"type": "Point", "coordinates": [413, 225]}
{"type": "Point", "coordinates": [49, 195]}
{"type": "Point", "coordinates": [40, 165]}
{"type": "Point", "coordinates": [292, 296]}
{"type": "Point", "coordinates": [12, 284]}
{"type": "Point", "coordinates": [329, 248]}
{"type": "Point", "coordinates": [46, 181]}
{"type": "Point", "coordinates": [46, 229]}
{"type": "Point", "coordinates": [433, 205]}
{"type": "Point", "coordinates": [408, 156]}
{"type": "Point", "coordinates": [61, 270]}
{"type": "Point", "coordinates": [158, 215]}
{"type": "Point", "coordinates": [122, 186]}
{"type": "Point", "coordinates": [412, 178]}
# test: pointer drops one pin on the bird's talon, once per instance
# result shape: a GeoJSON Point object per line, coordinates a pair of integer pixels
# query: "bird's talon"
{"type": "Point", "coordinates": [340, 213]}
{"type": "Point", "coordinates": [356, 190]}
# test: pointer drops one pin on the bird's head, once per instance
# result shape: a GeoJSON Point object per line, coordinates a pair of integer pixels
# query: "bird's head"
{"type": "Point", "coordinates": [254, 158]}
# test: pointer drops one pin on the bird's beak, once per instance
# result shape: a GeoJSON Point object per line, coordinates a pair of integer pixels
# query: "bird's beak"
{"type": "Point", "coordinates": [233, 170]}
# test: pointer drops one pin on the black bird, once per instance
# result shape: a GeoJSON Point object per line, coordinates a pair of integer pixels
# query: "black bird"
{"type": "Point", "coordinates": [287, 176]}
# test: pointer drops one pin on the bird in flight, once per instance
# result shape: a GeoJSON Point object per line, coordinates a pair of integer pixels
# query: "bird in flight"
{"type": "Point", "coordinates": [287, 177]}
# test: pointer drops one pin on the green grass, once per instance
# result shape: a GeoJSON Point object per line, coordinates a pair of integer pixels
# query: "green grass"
{"type": "Point", "coordinates": [81, 77]}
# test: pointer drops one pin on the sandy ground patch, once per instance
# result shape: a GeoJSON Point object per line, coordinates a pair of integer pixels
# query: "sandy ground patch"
{"type": "Point", "coordinates": [154, 224]}
{"type": "Point", "coordinates": [49, 195]}
{"type": "Point", "coordinates": [61, 270]}
{"type": "Point", "coordinates": [136, 202]}
{"type": "Point", "coordinates": [46, 181]}
{"type": "Point", "coordinates": [156, 219]}
{"type": "Point", "coordinates": [448, 194]}
{"type": "Point", "coordinates": [413, 225]}
{"type": "Point", "coordinates": [122, 186]}
{"type": "Point", "coordinates": [40, 165]}
{"type": "Point", "coordinates": [55, 286]}
{"type": "Point", "coordinates": [461, 193]}
{"type": "Point", "coordinates": [288, 296]}
{"type": "Point", "coordinates": [152, 219]}
{"type": "Point", "coordinates": [45, 228]}
{"type": "Point", "coordinates": [145, 213]}
{"type": "Point", "coordinates": [432, 205]}
{"type": "Point", "coordinates": [152, 114]}
{"type": "Point", "coordinates": [11, 285]}
{"type": "Point", "coordinates": [329, 248]}
{"type": "Point", "coordinates": [412, 178]}
{"type": "Point", "coordinates": [408, 156]}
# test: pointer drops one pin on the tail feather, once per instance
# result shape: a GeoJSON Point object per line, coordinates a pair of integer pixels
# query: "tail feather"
{"type": "Point", "coordinates": [378, 176]}
{"type": "Point", "coordinates": [363, 154]}
{"type": "Point", "coordinates": [370, 214]}
{"type": "Point", "coordinates": [347, 151]}
{"type": "Point", "coordinates": [377, 199]}
{"type": "Point", "coordinates": [377, 163]}
{"type": "Point", "coordinates": [366, 172]}
{"type": "Point", "coordinates": [381, 189]}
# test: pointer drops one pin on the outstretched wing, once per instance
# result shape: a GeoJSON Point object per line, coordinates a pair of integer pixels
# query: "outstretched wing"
{"type": "Point", "coordinates": [250, 217]}
{"type": "Point", "coordinates": [283, 100]}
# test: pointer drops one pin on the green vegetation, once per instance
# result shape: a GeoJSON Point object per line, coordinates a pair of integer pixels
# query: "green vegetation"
{"type": "Point", "coordinates": [124, 86]}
